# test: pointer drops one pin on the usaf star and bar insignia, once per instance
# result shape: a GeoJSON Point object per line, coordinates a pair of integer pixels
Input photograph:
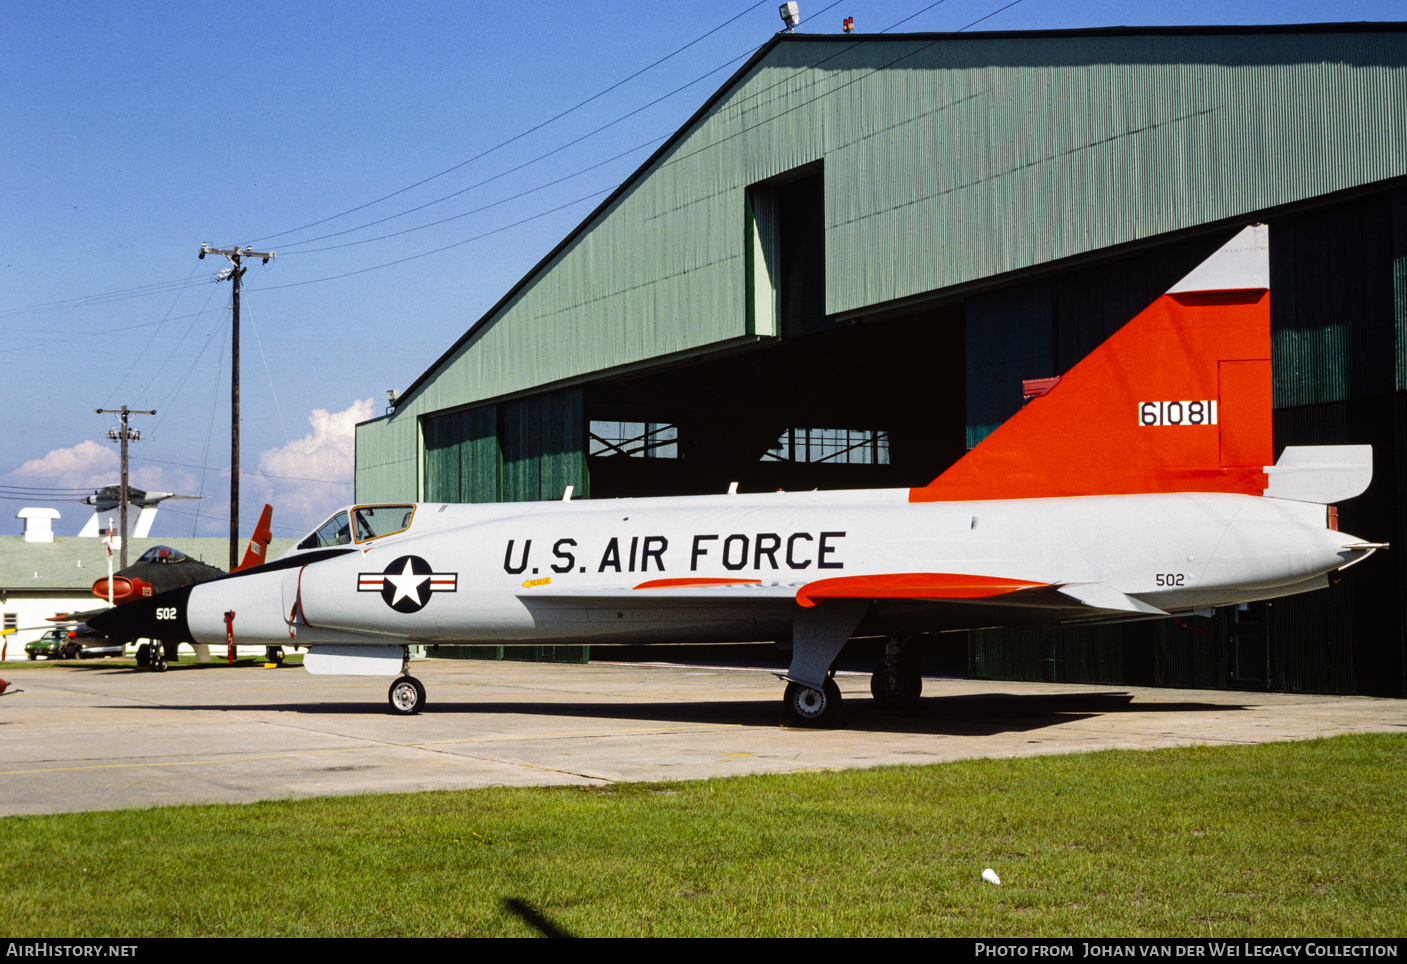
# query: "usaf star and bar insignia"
{"type": "Point", "coordinates": [406, 584]}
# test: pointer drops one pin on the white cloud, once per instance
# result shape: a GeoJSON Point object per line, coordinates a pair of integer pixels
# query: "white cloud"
{"type": "Point", "coordinates": [309, 477]}
{"type": "Point", "coordinates": [86, 464]}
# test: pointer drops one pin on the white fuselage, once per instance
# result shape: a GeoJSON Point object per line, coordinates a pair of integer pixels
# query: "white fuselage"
{"type": "Point", "coordinates": [556, 572]}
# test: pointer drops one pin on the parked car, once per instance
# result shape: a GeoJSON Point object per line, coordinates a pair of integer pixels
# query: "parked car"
{"type": "Point", "coordinates": [54, 644]}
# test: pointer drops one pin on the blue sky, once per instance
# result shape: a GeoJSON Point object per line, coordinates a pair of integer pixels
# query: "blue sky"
{"type": "Point", "coordinates": [135, 132]}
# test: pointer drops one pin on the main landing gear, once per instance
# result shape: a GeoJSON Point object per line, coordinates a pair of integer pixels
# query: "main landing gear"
{"type": "Point", "coordinates": [808, 706]}
{"type": "Point", "coordinates": [156, 654]}
{"type": "Point", "coordinates": [897, 681]}
{"type": "Point", "coordinates": [407, 694]}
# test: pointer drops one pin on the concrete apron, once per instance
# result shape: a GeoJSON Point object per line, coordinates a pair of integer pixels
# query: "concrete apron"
{"type": "Point", "coordinates": [89, 737]}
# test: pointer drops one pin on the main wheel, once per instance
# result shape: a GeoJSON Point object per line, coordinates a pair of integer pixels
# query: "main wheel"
{"type": "Point", "coordinates": [158, 658]}
{"type": "Point", "coordinates": [144, 655]}
{"type": "Point", "coordinates": [898, 686]}
{"type": "Point", "coordinates": [407, 696]}
{"type": "Point", "coordinates": [807, 706]}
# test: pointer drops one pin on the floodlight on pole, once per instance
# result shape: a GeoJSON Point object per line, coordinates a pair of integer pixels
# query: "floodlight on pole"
{"type": "Point", "coordinates": [790, 14]}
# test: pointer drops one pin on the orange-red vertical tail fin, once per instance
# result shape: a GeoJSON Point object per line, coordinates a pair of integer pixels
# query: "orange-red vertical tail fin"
{"type": "Point", "coordinates": [1177, 400]}
{"type": "Point", "coordinates": [254, 555]}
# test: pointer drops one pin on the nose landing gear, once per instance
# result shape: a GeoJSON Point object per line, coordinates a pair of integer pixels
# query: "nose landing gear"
{"type": "Point", "coordinates": [407, 696]}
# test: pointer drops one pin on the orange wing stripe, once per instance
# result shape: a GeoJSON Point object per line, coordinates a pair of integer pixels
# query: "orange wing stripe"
{"type": "Point", "coordinates": [674, 583]}
{"type": "Point", "coordinates": [911, 585]}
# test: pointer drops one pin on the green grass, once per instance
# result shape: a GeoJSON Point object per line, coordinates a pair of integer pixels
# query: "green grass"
{"type": "Point", "coordinates": [1273, 840]}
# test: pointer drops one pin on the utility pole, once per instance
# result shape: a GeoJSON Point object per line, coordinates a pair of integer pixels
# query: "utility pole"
{"type": "Point", "coordinates": [235, 256]}
{"type": "Point", "coordinates": [123, 435]}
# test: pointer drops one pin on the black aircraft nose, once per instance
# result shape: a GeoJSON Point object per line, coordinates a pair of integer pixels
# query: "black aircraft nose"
{"type": "Point", "coordinates": [162, 616]}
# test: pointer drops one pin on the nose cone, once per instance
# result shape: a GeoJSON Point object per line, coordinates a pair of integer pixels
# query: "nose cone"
{"type": "Point", "coordinates": [124, 589]}
{"type": "Point", "coordinates": [162, 616]}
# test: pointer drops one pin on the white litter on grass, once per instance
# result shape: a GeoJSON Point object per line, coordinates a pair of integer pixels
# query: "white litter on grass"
{"type": "Point", "coordinates": [990, 876]}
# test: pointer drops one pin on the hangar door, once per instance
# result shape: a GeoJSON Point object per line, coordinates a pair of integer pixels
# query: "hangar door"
{"type": "Point", "coordinates": [523, 450]}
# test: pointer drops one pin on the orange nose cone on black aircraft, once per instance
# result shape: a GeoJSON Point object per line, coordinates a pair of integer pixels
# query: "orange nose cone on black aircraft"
{"type": "Point", "coordinates": [1137, 485]}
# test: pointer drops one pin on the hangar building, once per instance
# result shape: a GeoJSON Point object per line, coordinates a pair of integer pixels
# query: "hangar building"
{"type": "Point", "coordinates": [839, 271]}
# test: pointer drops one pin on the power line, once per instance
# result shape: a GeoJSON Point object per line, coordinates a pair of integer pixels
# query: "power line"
{"type": "Point", "coordinates": [155, 331]}
{"type": "Point", "coordinates": [447, 247]}
{"type": "Point", "coordinates": [518, 136]}
{"type": "Point", "coordinates": [989, 16]}
{"type": "Point", "coordinates": [542, 156]}
{"type": "Point", "coordinates": [163, 287]}
{"type": "Point", "coordinates": [465, 214]}
{"type": "Point", "coordinates": [160, 287]}
{"type": "Point", "coordinates": [265, 475]}
{"type": "Point", "coordinates": [102, 298]}
{"type": "Point", "coordinates": [911, 16]}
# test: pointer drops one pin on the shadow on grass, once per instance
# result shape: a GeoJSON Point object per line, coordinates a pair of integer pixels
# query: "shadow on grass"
{"type": "Point", "coordinates": [984, 714]}
{"type": "Point", "coordinates": [534, 918]}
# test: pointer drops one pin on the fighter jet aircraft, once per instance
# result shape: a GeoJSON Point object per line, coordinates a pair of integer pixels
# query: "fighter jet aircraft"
{"type": "Point", "coordinates": [160, 569]}
{"type": "Point", "coordinates": [1136, 486]}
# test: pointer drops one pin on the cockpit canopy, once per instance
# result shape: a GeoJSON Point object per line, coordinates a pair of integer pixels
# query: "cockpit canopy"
{"type": "Point", "coordinates": [371, 522]}
{"type": "Point", "coordinates": [162, 554]}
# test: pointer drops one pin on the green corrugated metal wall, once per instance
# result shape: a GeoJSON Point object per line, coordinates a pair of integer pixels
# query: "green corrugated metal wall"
{"type": "Point", "coordinates": [1009, 338]}
{"type": "Point", "coordinates": [463, 462]}
{"type": "Point", "coordinates": [1339, 327]}
{"type": "Point", "coordinates": [525, 450]}
{"type": "Point", "coordinates": [947, 160]}
{"type": "Point", "coordinates": [543, 440]}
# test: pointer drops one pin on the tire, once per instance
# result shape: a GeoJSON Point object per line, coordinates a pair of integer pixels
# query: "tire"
{"type": "Point", "coordinates": [158, 658]}
{"type": "Point", "coordinates": [896, 687]}
{"type": "Point", "coordinates": [807, 706]}
{"type": "Point", "coordinates": [406, 696]}
{"type": "Point", "coordinates": [144, 655]}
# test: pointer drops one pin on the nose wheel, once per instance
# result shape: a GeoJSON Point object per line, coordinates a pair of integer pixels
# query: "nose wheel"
{"type": "Point", "coordinates": [407, 696]}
